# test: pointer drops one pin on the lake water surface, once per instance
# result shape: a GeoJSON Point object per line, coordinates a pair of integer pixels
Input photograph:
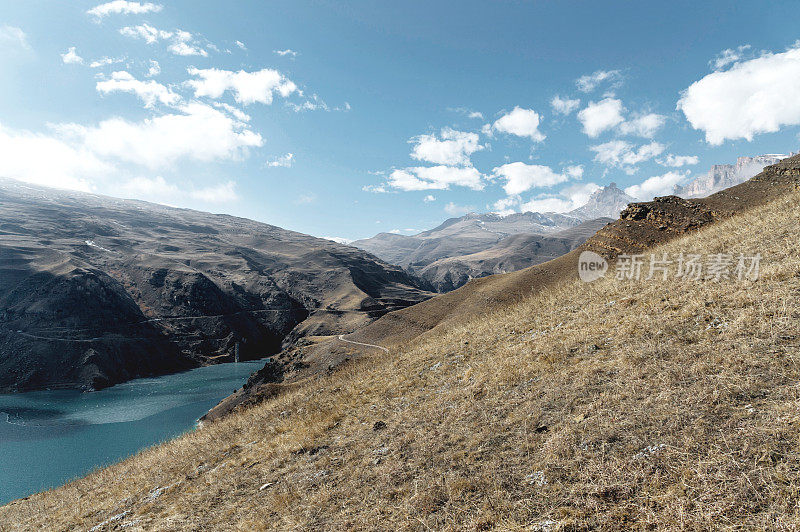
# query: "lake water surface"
{"type": "Point", "coordinates": [50, 437]}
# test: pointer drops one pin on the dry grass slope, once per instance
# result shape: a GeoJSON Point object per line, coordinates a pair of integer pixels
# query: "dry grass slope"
{"type": "Point", "coordinates": [670, 405]}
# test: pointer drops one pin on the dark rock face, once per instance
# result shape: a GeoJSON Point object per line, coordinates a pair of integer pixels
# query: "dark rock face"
{"type": "Point", "coordinates": [95, 291]}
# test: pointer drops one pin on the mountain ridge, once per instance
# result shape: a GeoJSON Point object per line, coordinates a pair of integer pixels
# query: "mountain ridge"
{"type": "Point", "coordinates": [98, 290]}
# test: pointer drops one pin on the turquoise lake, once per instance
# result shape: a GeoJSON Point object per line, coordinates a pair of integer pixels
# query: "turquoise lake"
{"type": "Point", "coordinates": [48, 438]}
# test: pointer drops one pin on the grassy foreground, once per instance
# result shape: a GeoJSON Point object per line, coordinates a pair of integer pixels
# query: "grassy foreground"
{"type": "Point", "coordinates": [619, 404]}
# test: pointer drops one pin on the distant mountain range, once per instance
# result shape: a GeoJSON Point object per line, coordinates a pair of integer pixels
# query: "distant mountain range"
{"type": "Point", "coordinates": [95, 290]}
{"type": "Point", "coordinates": [722, 176]}
{"type": "Point", "coordinates": [476, 245]}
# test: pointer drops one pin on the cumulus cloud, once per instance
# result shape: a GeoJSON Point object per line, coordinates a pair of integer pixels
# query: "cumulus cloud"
{"type": "Point", "coordinates": [660, 185]}
{"type": "Point", "coordinates": [47, 160]}
{"type": "Point", "coordinates": [195, 132]}
{"type": "Point", "coordinates": [241, 45]}
{"type": "Point", "coordinates": [575, 172]}
{"type": "Point", "coordinates": [520, 122]}
{"type": "Point", "coordinates": [284, 53]}
{"type": "Point", "coordinates": [284, 161]}
{"type": "Point", "coordinates": [124, 7]}
{"type": "Point", "coordinates": [601, 116]}
{"type": "Point", "coordinates": [429, 198]}
{"type": "Point", "coordinates": [643, 125]}
{"type": "Point", "coordinates": [520, 177]}
{"type": "Point", "coordinates": [564, 106]}
{"type": "Point", "coordinates": [11, 36]}
{"type": "Point", "coordinates": [676, 161]}
{"type": "Point", "coordinates": [451, 148]}
{"type": "Point", "coordinates": [180, 42]}
{"type": "Point", "coordinates": [590, 82]}
{"type": "Point", "coordinates": [150, 92]}
{"type": "Point", "coordinates": [247, 87]}
{"type": "Point", "coordinates": [71, 57]}
{"type": "Point", "coordinates": [729, 56]}
{"type": "Point", "coordinates": [435, 178]}
{"type": "Point", "coordinates": [752, 97]}
{"type": "Point", "coordinates": [622, 154]}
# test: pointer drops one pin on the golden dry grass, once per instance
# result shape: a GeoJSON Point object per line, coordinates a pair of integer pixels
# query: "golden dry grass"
{"type": "Point", "coordinates": [647, 405]}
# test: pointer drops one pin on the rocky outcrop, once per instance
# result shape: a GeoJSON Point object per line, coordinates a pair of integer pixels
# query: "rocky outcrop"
{"type": "Point", "coordinates": [95, 291]}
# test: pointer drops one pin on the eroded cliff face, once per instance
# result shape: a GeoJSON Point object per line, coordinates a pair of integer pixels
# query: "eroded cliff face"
{"type": "Point", "coordinates": [95, 291]}
{"type": "Point", "coordinates": [722, 176]}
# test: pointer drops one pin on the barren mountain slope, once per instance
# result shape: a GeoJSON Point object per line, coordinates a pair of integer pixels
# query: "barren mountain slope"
{"type": "Point", "coordinates": [617, 404]}
{"type": "Point", "coordinates": [510, 254]}
{"type": "Point", "coordinates": [641, 226]}
{"type": "Point", "coordinates": [96, 290]}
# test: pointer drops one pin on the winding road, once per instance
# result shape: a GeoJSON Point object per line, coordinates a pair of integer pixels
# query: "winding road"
{"type": "Point", "coordinates": [341, 337]}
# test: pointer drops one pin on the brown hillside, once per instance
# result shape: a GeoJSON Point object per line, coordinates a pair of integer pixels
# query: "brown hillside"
{"type": "Point", "coordinates": [640, 227]}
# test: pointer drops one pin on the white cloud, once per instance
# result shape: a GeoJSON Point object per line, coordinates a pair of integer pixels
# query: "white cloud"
{"type": "Point", "coordinates": [125, 8]}
{"type": "Point", "coordinates": [196, 132]}
{"type": "Point", "coordinates": [315, 103]}
{"type": "Point", "coordinates": [154, 70]}
{"type": "Point", "coordinates": [180, 42]}
{"type": "Point", "coordinates": [520, 122]}
{"type": "Point", "coordinates": [475, 114]}
{"type": "Point", "coordinates": [575, 172]}
{"type": "Point", "coordinates": [284, 53]}
{"type": "Point", "coordinates": [146, 32]}
{"type": "Point", "coordinates": [643, 125]}
{"type": "Point", "coordinates": [660, 185]}
{"type": "Point", "coordinates": [104, 61]}
{"type": "Point", "coordinates": [520, 177]}
{"type": "Point", "coordinates": [71, 57]}
{"type": "Point", "coordinates": [729, 56]}
{"type": "Point", "coordinates": [622, 154]}
{"type": "Point", "coordinates": [429, 198]}
{"type": "Point", "coordinates": [453, 148]}
{"type": "Point", "coordinates": [284, 161]}
{"type": "Point", "coordinates": [601, 116]}
{"type": "Point", "coordinates": [435, 178]}
{"type": "Point", "coordinates": [13, 36]}
{"type": "Point", "coordinates": [47, 160]}
{"type": "Point", "coordinates": [567, 199]}
{"type": "Point", "coordinates": [457, 210]}
{"type": "Point", "coordinates": [590, 82]}
{"type": "Point", "coordinates": [247, 87]}
{"type": "Point", "coordinates": [150, 92]}
{"type": "Point", "coordinates": [752, 97]}
{"type": "Point", "coordinates": [564, 106]}
{"type": "Point", "coordinates": [241, 45]}
{"type": "Point", "coordinates": [237, 113]}
{"type": "Point", "coordinates": [676, 161]}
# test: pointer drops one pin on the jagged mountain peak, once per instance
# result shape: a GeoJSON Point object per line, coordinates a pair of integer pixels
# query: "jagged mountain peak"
{"type": "Point", "coordinates": [607, 201]}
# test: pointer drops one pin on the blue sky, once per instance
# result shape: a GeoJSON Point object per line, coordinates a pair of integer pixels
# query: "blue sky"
{"type": "Point", "coordinates": [347, 120]}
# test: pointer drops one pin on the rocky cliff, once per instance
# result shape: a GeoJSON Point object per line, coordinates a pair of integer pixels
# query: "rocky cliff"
{"type": "Point", "coordinates": [722, 176]}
